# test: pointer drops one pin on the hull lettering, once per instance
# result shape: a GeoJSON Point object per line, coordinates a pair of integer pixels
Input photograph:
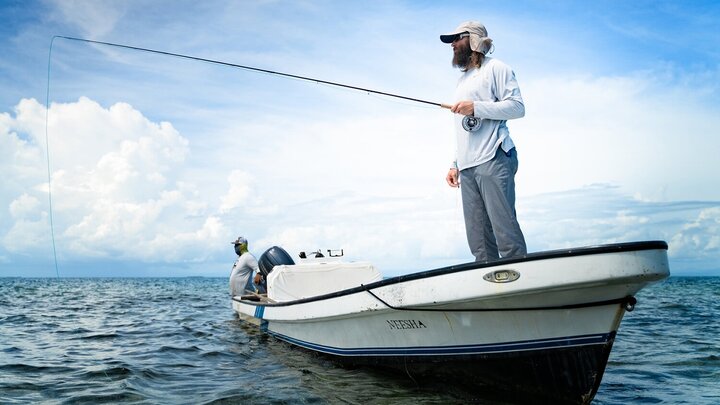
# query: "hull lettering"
{"type": "Point", "coordinates": [405, 324]}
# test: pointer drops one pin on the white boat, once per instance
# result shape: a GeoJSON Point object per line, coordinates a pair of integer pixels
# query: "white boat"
{"type": "Point", "coordinates": [539, 327]}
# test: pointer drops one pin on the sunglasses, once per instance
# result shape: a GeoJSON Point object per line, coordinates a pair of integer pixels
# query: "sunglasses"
{"type": "Point", "coordinates": [461, 36]}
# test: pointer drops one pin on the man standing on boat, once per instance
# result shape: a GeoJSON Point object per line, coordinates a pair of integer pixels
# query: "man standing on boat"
{"type": "Point", "coordinates": [487, 95]}
{"type": "Point", "coordinates": [241, 277]}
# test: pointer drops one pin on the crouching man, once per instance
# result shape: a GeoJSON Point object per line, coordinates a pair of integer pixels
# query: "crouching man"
{"type": "Point", "coordinates": [245, 267]}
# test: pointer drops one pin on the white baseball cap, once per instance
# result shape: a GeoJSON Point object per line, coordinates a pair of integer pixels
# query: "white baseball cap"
{"type": "Point", "coordinates": [479, 40]}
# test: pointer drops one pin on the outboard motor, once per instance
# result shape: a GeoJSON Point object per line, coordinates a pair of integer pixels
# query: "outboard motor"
{"type": "Point", "coordinates": [273, 257]}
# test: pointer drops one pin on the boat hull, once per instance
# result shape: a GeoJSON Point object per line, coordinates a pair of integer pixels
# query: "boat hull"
{"type": "Point", "coordinates": [545, 335]}
{"type": "Point", "coordinates": [559, 375]}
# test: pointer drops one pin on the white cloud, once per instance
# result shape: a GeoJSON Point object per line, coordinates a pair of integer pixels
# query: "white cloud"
{"type": "Point", "coordinates": [94, 18]}
{"type": "Point", "coordinates": [601, 214]}
{"type": "Point", "coordinates": [240, 189]}
{"type": "Point", "coordinates": [196, 246]}
{"type": "Point", "coordinates": [700, 236]}
{"type": "Point", "coordinates": [24, 206]}
{"type": "Point", "coordinates": [313, 167]}
{"type": "Point", "coordinates": [28, 237]}
{"type": "Point", "coordinates": [116, 184]}
{"type": "Point", "coordinates": [132, 195]}
{"type": "Point", "coordinates": [634, 131]}
{"type": "Point", "coordinates": [398, 235]}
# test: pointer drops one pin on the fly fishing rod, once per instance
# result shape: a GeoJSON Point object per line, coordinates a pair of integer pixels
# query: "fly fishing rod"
{"type": "Point", "coordinates": [255, 69]}
{"type": "Point", "coordinates": [196, 58]}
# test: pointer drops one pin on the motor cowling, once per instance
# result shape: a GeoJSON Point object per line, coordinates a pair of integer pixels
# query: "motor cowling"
{"type": "Point", "coordinates": [273, 257]}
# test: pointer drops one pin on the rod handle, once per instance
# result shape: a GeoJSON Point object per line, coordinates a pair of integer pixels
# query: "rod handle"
{"type": "Point", "coordinates": [448, 106]}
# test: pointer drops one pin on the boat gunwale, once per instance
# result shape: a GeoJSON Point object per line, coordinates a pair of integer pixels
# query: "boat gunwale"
{"type": "Point", "coordinates": [550, 254]}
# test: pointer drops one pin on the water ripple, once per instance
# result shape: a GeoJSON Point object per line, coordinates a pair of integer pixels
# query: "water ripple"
{"type": "Point", "coordinates": [149, 341]}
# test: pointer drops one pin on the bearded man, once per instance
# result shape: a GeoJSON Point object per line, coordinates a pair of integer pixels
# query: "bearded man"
{"type": "Point", "coordinates": [487, 95]}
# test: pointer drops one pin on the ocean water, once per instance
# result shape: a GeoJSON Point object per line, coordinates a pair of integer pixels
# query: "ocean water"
{"type": "Point", "coordinates": [177, 340]}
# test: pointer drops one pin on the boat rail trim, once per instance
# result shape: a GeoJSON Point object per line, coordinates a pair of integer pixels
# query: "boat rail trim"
{"type": "Point", "coordinates": [502, 347]}
{"type": "Point", "coordinates": [551, 254]}
{"type": "Point", "coordinates": [627, 302]}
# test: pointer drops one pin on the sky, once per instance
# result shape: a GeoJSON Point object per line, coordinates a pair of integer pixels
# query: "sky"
{"type": "Point", "coordinates": [157, 163]}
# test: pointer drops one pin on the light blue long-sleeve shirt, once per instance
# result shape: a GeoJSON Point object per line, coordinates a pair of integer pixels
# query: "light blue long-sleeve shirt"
{"type": "Point", "coordinates": [496, 97]}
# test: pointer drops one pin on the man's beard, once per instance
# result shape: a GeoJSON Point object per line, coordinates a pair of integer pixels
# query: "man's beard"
{"type": "Point", "coordinates": [461, 57]}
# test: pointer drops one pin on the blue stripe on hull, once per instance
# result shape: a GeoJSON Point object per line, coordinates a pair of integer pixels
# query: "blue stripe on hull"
{"type": "Point", "coordinates": [568, 341]}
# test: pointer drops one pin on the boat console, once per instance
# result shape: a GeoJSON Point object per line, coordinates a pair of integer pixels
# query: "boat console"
{"type": "Point", "coordinates": [314, 275]}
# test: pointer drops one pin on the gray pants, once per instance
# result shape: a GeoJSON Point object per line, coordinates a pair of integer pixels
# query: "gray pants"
{"type": "Point", "coordinates": [488, 196]}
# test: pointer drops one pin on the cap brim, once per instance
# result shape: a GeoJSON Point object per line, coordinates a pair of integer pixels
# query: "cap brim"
{"type": "Point", "coordinates": [448, 38]}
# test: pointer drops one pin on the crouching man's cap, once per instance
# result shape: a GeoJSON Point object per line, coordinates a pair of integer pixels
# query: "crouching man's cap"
{"type": "Point", "coordinates": [239, 241]}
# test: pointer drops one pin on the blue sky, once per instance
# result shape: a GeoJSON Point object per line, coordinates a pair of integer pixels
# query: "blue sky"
{"type": "Point", "coordinates": [157, 163]}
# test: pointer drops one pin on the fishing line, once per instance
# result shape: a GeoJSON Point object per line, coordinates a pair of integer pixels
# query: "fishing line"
{"type": "Point", "coordinates": [47, 154]}
{"type": "Point", "coordinates": [195, 58]}
{"type": "Point", "coordinates": [255, 69]}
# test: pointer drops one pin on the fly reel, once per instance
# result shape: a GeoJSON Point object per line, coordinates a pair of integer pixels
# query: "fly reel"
{"type": "Point", "coordinates": [470, 123]}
